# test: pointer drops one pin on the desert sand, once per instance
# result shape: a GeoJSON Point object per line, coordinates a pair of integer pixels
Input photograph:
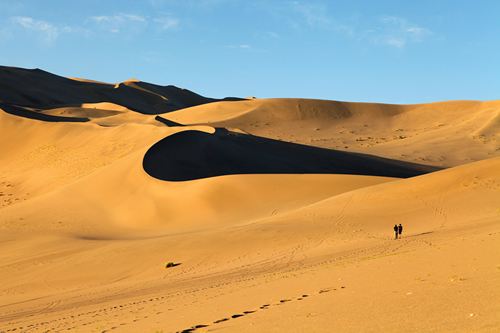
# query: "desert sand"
{"type": "Point", "coordinates": [277, 213]}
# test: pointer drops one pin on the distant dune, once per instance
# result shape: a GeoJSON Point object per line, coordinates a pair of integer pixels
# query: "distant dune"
{"type": "Point", "coordinates": [35, 88]}
{"type": "Point", "coordinates": [278, 214]}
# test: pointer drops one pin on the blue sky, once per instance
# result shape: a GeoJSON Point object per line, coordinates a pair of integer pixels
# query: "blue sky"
{"type": "Point", "coordinates": [372, 50]}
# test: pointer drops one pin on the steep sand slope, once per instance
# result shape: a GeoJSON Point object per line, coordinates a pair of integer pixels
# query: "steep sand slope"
{"type": "Point", "coordinates": [441, 277]}
{"type": "Point", "coordinates": [442, 134]}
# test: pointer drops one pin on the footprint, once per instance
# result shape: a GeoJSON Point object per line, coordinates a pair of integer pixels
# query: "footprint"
{"type": "Point", "coordinates": [188, 330]}
{"type": "Point", "coordinates": [221, 320]}
{"type": "Point", "coordinates": [237, 315]}
{"type": "Point", "coordinates": [199, 326]}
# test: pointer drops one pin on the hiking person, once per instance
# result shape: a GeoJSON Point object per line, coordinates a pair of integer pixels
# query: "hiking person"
{"type": "Point", "coordinates": [400, 230]}
{"type": "Point", "coordinates": [396, 230]}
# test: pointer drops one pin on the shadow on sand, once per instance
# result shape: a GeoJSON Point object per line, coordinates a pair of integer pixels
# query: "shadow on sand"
{"type": "Point", "coordinates": [191, 154]}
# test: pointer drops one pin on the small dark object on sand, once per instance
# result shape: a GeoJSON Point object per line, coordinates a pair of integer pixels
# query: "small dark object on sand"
{"type": "Point", "coordinates": [172, 264]}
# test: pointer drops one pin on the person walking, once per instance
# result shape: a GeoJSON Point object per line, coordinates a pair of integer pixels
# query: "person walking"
{"type": "Point", "coordinates": [396, 230]}
{"type": "Point", "coordinates": [400, 230]}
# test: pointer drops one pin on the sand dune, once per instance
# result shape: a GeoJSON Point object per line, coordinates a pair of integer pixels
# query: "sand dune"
{"type": "Point", "coordinates": [133, 198]}
{"type": "Point", "coordinates": [441, 134]}
{"type": "Point", "coordinates": [90, 213]}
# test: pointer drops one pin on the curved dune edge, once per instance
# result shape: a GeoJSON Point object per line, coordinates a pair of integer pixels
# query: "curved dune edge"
{"type": "Point", "coordinates": [190, 155]}
{"type": "Point", "coordinates": [99, 186]}
{"type": "Point", "coordinates": [441, 134]}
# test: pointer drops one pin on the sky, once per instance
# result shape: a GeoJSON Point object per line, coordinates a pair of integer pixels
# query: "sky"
{"type": "Point", "coordinates": [390, 51]}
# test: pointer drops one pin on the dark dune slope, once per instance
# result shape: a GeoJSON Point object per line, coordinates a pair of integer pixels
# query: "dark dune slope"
{"type": "Point", "coordinates": [193, 155]}
{"type": "Point", "coordinates": [36, 88]}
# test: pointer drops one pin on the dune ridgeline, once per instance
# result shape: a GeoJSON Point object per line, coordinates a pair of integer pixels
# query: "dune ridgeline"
{"type": "Point", "coordinates": [275, 215]}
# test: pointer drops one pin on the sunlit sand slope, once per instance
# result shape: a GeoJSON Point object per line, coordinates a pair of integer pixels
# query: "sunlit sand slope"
{"type": "Point", "coordinates": [329, 264]}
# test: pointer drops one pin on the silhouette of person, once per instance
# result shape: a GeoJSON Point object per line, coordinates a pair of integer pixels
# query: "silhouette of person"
{"type": "Point", "coordinates": [400, 230]}
{"type": "Point", "coordinates": [396, 229]}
